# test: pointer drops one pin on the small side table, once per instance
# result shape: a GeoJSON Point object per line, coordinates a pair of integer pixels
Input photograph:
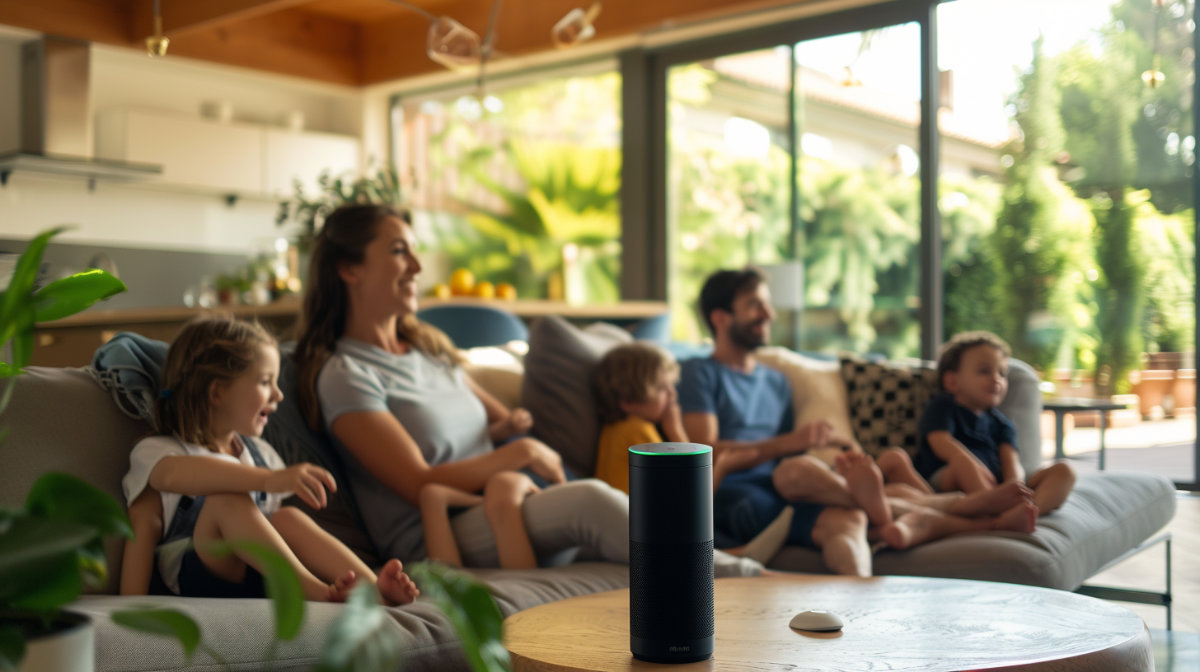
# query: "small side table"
{"type": "Point", "coordinates": [1063, 405]}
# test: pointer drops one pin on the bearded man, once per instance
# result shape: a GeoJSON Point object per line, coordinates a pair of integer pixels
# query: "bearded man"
{"type": "Point", "coordinates": [744, 411]}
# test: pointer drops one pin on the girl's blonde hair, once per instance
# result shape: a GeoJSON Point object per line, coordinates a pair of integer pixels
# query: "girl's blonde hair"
{"type": "Point", "coordinates": [343, 241]}
{"type": "Point", "coordinates": [208, 349]}
{"type": "Point", "coordinates": [628, 373]}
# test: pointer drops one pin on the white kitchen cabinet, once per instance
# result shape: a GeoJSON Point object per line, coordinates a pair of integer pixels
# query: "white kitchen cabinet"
{"type": "Point", "coordinates": [235, 158]}
{"type": "Point", "coordinates": [291, 155]}
{"type": "Point", "coordinates": [192, 152]}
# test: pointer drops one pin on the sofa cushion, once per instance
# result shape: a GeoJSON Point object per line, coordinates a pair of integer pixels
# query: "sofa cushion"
{"type": "Point", "coordinates": [1106, 515]}
{"type": "Point", "coordinates": [886, 401]}
{"type": "Point", "coordinates": [60, 419]}
{"type": "Point", "coordinates": [557, 387]}
{"type": "Point", "coordinates": [241, 630]}
{"type": "Point", "coordinates": [818, 392]}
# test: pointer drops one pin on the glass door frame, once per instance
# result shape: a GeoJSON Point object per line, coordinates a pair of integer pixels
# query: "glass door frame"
{"type": "Point", "coordinates": [645, 239]}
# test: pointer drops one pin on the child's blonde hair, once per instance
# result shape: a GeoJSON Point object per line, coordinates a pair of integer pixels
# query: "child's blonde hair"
{"type": "Point", "coordinates": [952, 352]}
{"type": "Point", "coordinates": [208, 349]}
{"type": "Point", "coordinates": [628, 373]}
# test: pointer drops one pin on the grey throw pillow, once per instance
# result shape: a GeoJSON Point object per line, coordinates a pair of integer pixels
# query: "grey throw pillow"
{"type": "Point", "coordinates": [557, 387]}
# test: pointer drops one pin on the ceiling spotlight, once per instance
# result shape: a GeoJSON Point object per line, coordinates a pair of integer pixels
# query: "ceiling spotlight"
{"type": "Point", "coordinates": [452, 44]}
{"type": "Point", "coordinates": [156, 44]}
{"type": "Point", "coordinates": [575, 27]}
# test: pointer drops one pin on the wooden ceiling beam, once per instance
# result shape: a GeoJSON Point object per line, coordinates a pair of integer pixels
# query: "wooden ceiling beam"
{"type": "Point", "coordinates": [395, 49]}
{"type": "Point", "coordinates": [183, 16]}
{"type": "Point", "coordinates": [79, 19]}
{"type": "Point", "coordinates": [288, 42]}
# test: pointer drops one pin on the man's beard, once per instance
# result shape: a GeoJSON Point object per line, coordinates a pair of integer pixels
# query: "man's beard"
{"type": "Point", "coordinates": [743, 336]}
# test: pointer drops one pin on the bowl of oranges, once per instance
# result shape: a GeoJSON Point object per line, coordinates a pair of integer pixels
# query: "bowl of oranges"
{"type": "Point", "coordinates": [462, 283]}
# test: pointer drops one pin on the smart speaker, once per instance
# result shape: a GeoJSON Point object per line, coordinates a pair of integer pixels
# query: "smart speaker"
{"type": "Point", "coordinates": [670, 552]}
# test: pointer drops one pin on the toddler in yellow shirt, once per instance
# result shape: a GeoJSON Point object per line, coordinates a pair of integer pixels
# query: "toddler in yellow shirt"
{"type": "Point", "coordinates": [635, 387]}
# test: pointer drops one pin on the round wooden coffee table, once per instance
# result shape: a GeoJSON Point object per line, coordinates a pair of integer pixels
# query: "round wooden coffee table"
{"type": "Point", "coordinates": [892, 623]}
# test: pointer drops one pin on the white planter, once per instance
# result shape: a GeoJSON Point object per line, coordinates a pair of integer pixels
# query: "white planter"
{"type": "Point", "coordinates": [71, 648]}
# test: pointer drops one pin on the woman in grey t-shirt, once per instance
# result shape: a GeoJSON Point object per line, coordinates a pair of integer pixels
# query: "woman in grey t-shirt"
{"type": "Point", "coordinates": [391, 392]}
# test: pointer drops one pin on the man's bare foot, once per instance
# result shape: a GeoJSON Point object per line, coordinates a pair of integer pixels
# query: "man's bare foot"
{"type": "Point", "coordinates": [1020, 518]}
{"type": "Point", "coordinates": [993, 501]}
{"type": "Point", "coordinates": [340, 589]}
{"type": "Point", "coordinates": [396, 587]}
{"type": "Point", "coordinates": [865, 484]}
{"type": "Point", "coordinates": [909, 529]}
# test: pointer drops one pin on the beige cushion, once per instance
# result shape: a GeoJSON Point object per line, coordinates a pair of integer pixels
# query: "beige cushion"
{"type": "Point", "coordinates": [818, 392]}
{"type": "Point", "coordinates": [498, 371]}
{"type": "Point", "coordinates": [557, 387]}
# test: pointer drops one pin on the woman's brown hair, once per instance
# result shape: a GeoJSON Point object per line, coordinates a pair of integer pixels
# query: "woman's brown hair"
{"type": "Point", "coordinates": [342, 241]}
{"type": "Point", "coordinates": [209, 349]}
{"type": "Point", "coordinates": [628, 373]}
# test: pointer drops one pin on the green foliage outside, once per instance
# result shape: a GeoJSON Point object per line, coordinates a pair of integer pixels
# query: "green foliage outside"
{"type": "Point", "coordinates": [525, 183]}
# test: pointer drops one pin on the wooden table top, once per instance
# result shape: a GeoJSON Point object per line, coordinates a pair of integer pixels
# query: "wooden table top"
{"type": "Point", "coordinates": [891, 623]}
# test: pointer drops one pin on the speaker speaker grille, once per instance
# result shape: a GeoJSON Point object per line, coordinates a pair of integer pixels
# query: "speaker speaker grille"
{"type": "Point", "coordinates": [670, 590]}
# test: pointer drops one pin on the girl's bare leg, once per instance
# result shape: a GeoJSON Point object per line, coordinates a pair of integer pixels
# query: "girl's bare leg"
{"type": "Point", "coordinates": [234, 517]}
{"type": "Point", "coordinates": [435, 500]}
{"type": "Point", "coordinates": [503, 496]}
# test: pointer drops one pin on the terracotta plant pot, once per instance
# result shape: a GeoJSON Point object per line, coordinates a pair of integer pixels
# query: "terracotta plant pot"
{"type": "Point", "coordinates": [1152, 387]}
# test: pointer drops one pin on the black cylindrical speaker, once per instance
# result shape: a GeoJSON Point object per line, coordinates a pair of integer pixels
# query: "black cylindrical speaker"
{"type": "Point", "coordinates": [670, 552]}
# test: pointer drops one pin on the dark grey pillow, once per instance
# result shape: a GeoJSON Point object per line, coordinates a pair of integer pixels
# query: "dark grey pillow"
{"type": "Point", "coordinates": [557, 387]}
{"type": "Point", "coordinates": [289, 434]}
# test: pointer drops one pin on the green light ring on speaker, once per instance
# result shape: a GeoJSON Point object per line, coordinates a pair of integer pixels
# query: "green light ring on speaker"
{"type": "Point", "coordinates": [677, 448]}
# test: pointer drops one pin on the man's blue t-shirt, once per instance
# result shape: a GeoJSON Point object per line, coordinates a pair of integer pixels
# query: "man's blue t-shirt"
{"type": "Point", "coordinates": [981, 433]}
{"type": "Point", "coordinates": [749, 406]}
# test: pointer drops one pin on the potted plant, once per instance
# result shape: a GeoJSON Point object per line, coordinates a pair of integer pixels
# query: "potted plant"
{"type": "Point", "coordinates": [309, 212]}
{"type": "Point", "coordinates": [53, 546]}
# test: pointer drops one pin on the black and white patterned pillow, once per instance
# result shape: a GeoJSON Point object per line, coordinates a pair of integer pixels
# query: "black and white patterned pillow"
{"type": "Point", "coordinates": [886, 401]}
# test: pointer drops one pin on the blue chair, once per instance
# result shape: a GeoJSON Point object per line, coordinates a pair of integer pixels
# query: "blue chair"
{"type": "Point", "coordinates": [474, 325]}
{"type": "Point", "coordinates": [656, 329]}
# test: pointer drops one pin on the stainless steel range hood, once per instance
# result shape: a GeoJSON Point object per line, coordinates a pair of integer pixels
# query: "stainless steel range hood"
{"type": "Point", "coordinates": [56, 116]}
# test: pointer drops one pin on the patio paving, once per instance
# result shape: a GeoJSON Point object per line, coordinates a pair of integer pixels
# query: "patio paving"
{"type": "Point", "coordinates": [1164, 447]}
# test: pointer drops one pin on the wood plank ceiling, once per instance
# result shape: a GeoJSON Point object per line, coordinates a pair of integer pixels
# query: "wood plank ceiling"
{"type": "Point", "coordinates": [351, 42]}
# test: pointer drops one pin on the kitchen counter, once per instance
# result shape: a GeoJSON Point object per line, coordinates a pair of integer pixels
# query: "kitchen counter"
{"type": "Point", "coordinates": [72, 340]}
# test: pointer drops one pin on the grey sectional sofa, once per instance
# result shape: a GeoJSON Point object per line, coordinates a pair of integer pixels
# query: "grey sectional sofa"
{"type": "Point", "coordinates": [61, 419]}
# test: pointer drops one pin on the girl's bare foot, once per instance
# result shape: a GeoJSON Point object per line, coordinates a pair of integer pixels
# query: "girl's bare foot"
{"type": "Point", "coordinates": [993, 501]}
{"type": "Point", "coordinates": [1020, 518]}
{"type": "Point", "coordinates": [396, 587]}
{"type": "Point", "coordinates": [340, 589]}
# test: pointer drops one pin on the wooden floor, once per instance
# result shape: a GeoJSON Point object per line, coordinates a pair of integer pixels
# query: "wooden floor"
{"type": "Point", "coordinates": [1180, 651]}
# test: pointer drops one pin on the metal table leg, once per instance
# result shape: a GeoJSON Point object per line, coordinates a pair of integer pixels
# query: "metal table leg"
{"type": "Point", "coordinates": [1103, 426]}
{"type": "Point", "coordinates": [1058, 435]}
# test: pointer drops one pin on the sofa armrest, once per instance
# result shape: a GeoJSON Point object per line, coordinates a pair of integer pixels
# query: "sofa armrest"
{"type": "Point", "coordinates": [1023, 406]}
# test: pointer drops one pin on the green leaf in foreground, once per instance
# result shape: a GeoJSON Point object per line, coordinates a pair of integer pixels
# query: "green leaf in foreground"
{"type": "Point", "coordinates": [74, 293]}
{"type": "Point", "coordinates": [283, 586]}
{"type": "Point", "coordinates": [471, 610]}
{"type": "Point", "coordinates": [361, 637]}
{"type": "Point", "coordinates": [162, 622]}
{"type": "Point", "coordinates": [39, 566]}
{"type": "Point", "coordinates": [64, 497]}
{"type": "Point", "coordinates": [12, 647]}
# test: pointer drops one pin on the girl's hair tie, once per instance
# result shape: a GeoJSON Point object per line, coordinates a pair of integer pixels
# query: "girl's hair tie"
{"type": "Point", "coordinates": [165, 394]}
